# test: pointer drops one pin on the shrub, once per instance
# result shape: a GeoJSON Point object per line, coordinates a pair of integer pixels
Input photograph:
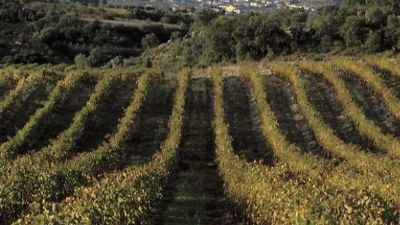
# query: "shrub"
{"type": "Point", "coordinates": [81, 60]}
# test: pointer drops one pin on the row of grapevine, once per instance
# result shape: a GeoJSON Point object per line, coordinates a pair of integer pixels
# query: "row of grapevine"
{"type": "Point", "coordinates": [325, 135]}
{"type": "Point", "coordinates": [64, 143]}
{"type": "Point", "coordinates": [48, 180]}
{"type": "Point", "coordinates": [60, 93]}
{"type": "Point", "coordinates": [371, 165]}
{"type": "Point", "coordinates": [337, 177]}
{"type": "Point", "coordinates": [25, 87]}
{"type": "Point", "coordinates": [108, 155]}
{"type": "Point", "coordinates": [13, 73]}
{"type": "Point", "coordinates": [385, 64]}
{"type": "Point", "coordinates": [241, 179]}
{"type": "Point", "coordinates": [286, 152]}
{"type": "Point", "coordinates": [365, 126]}
{"type": "Point", "coordinates": [9, 76]}
{"type": "Point", "coordinates": [64, 183]}
{"type": "Point", "coordinates": [62, 147]}
{"type": "Point", "coordinates": [280, 197]}
{"type": "Point", "coordinates": [124, 197]}
{"type": "Point", "coordinates": [374, 82]}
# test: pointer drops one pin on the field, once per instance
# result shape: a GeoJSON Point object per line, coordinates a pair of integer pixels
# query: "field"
{"type": "Point", "coordinates": [306, 142]}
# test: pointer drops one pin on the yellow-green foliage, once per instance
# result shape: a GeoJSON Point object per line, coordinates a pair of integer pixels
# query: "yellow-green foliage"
{"type": "Point", "coordinates": [65, 141]}
{"type": "Point", "coordinates": [128, 196]}
{"type": "Point", "coordinates": [9, 76]}
{"type": "Point", "coordinates": [25, 87]}
{"type": "Point", "coordinates": [62, 146]}
{"type": "Point", "coordinates": [325, 135]}
{"type": "Point", "coordinates": [106, 154]}
{"type": "Point", "coordinates": [271, 195]}
{"type": "Point", "coordinates": [345, 174]}
{"type": "Point", "coordinates": [366, 74]}
{"type": "Point", "coordinates": [354, 112]}
{"type": "Point", "coordinates": [384, 63]}
{"type": "Point", "coordinates": [356, 187]}
{"type": "Point", "coordinates": [9, 149]}
{"type": "Point", "coordinates": [285, 151]}
{"type": "Point", "coordinates": [42, 180]}
{"type": "Point", "coordinates": [13, 73]}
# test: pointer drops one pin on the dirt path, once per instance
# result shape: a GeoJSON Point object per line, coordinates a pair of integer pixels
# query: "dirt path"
{"type": "Point", "coordinates": [323, 97]}
{"type": "Point", "coordinates": [391, 81]}
{"type": "Point", "coordinates": [195, 193]}
{"type": "Point", "coordinates": [373, 106]}
{"type": "Point", "coordinates": [151, 124]}
{"type": "Point", "coordinates": [244, 122]}
{"type": "Point", "coordinates": [291, 120]}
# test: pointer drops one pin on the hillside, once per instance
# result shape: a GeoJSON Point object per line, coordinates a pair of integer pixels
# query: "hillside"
{"type": "Point", "coordinates": [195, 37]}
{"type": "Point", "coordinates": [295, 142]}
{"type": "Point", "coordinates": [195, 116]}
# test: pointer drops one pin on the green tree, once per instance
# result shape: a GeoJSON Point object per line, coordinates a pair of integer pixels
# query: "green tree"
{"type": "Point", "coordinates": [288, 17]}
{"type": "Point", "coordinates": [349, 4]}
{"type": "Point", "coordinates": [96, 58]}
{"type": "Point", "coordinates": [175, 35]}
{"type": "Point", "coordinates": [102, 2]}
{"type": "Point", "coordinates": [257, 36]}
{"type": "Point", "coordinates": [354, 31]}
{"type": "Point", "coordinates": [204, 17]}
{"type": "Point", "coordinates": [375, 17]}
{"type": "Point", "coordinates": [116, 62]}
{"type": "Point", "coordinates": [374, 42]}
{"type": "Point", "coordinates": [326, 23]}
{"type": "Point", "coordinates": [81, 60]}
{"type": "Point", "coordinates": [392, 32]}
{"type": "Point", "coordinates": [47, 35]}
{"type": "Point", "coordinates": [150, 41]}
{"type": "Point", "coordinates": [138, 13]}
{"type": "Point", "coordinates": [392, 6]}
{"type": "Point", "coordinates": [219, 41]}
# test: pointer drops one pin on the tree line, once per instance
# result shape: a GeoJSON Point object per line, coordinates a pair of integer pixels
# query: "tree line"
{"type": "Point", "coordinates": [355, 26]}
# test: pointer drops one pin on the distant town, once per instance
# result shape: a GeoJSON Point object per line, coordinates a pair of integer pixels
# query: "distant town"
{"type": "Point", "coordinates": [231, 6]}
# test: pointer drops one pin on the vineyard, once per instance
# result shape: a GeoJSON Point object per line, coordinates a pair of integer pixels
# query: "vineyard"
{"type": "Point", "coordinates": [307, 142]}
